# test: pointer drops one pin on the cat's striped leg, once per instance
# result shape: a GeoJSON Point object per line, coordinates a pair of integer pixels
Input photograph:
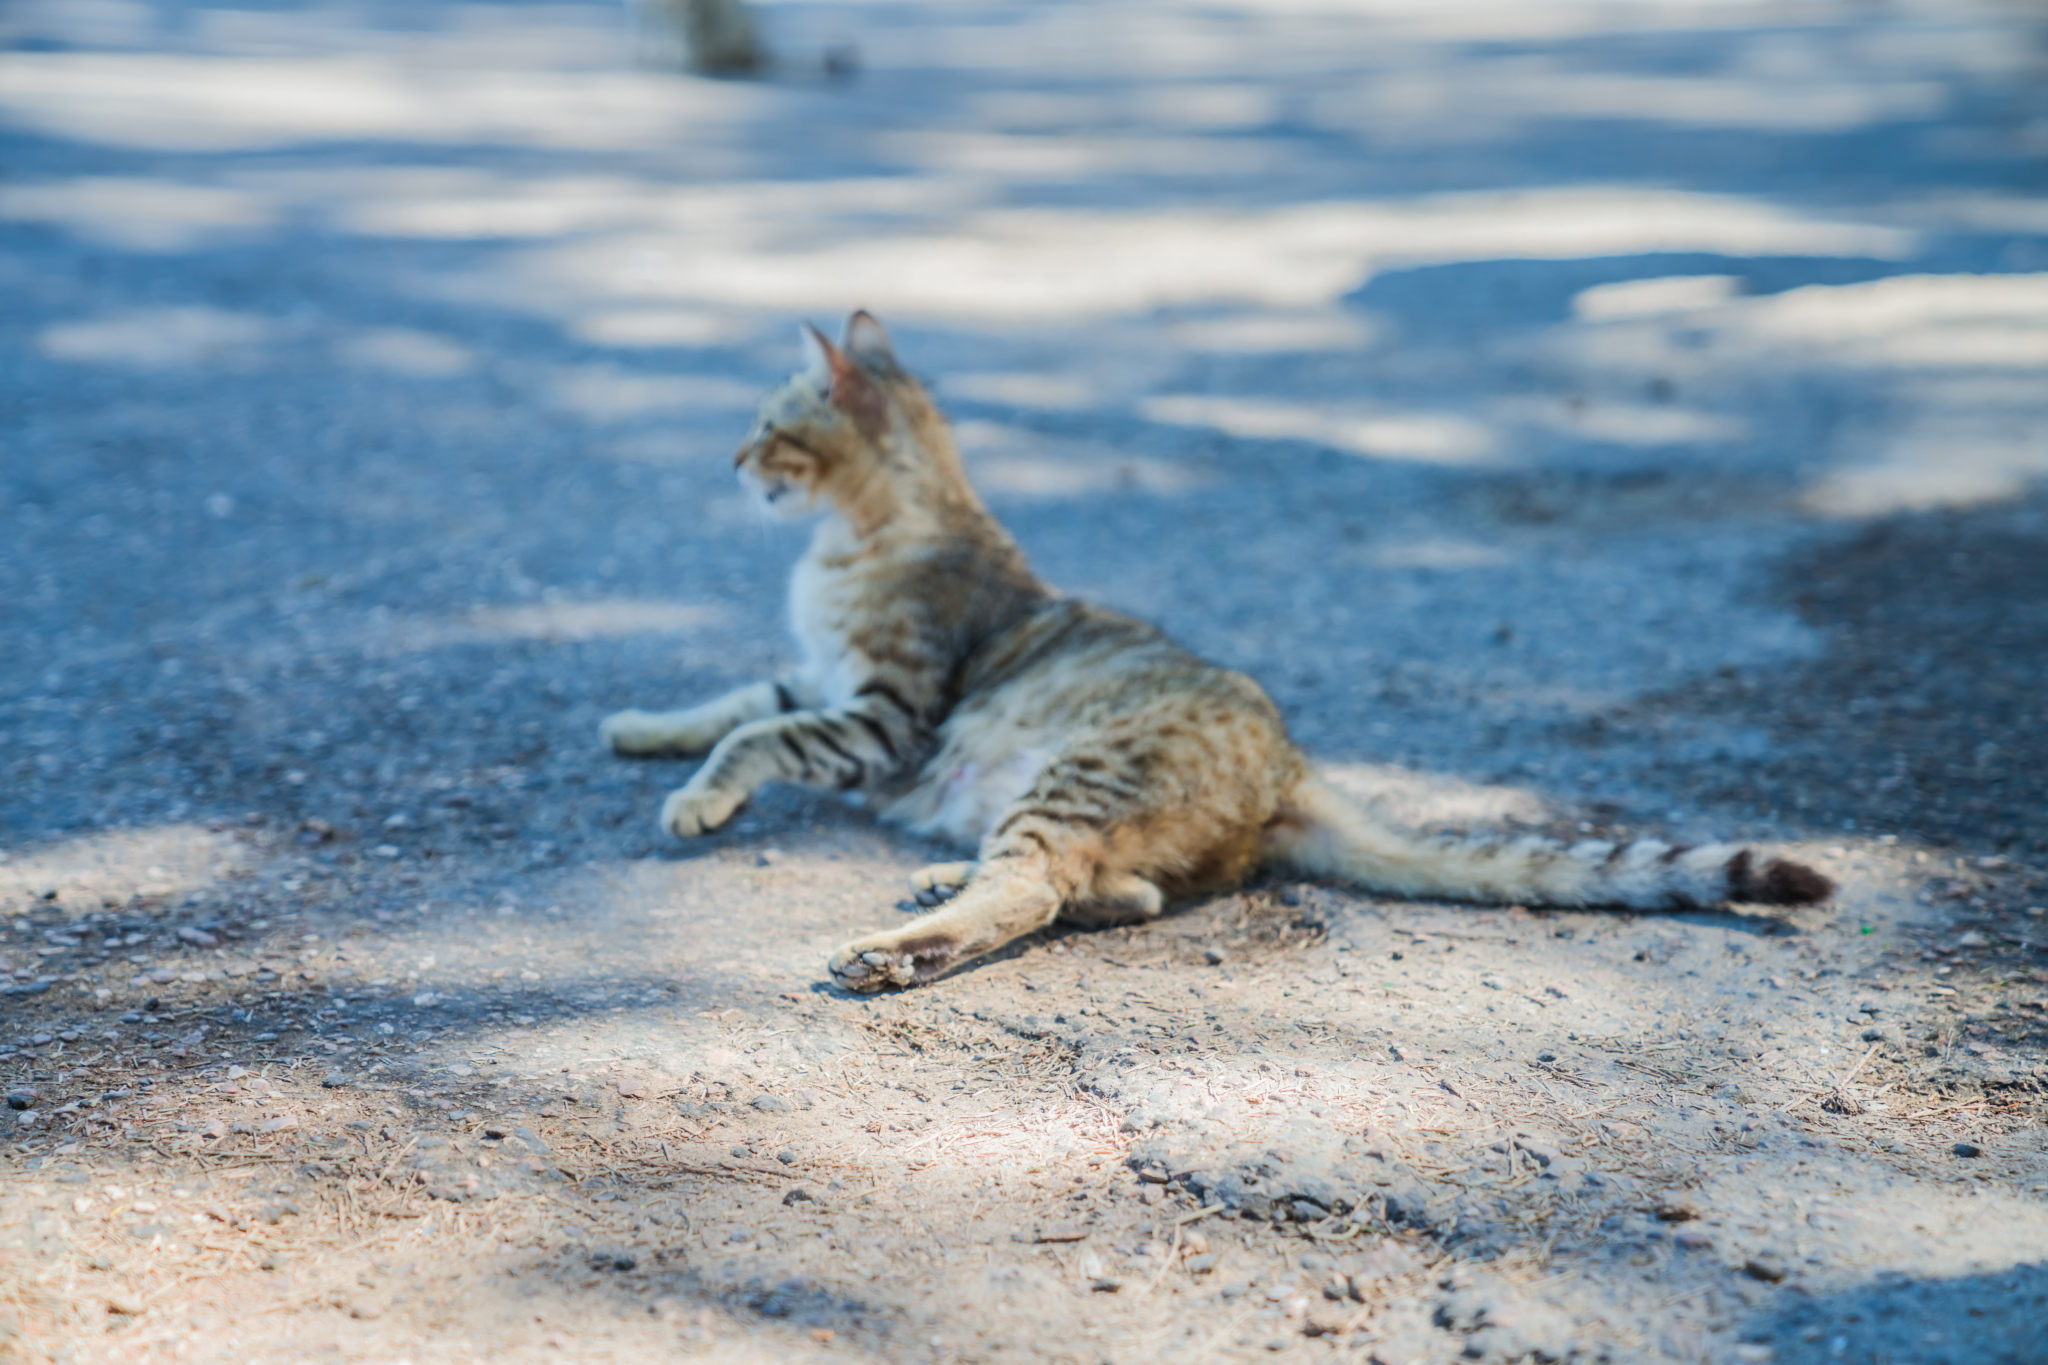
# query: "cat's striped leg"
{"type": "Point", "coordinates": [868, 743]}
{"type": "Point", "coordinates": [697, 728]}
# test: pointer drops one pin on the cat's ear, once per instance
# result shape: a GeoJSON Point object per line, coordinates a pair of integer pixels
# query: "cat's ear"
{"type": "Point", "coordinates": [867, 341]}
{"type": "Point", "coordinates": [819, 354]}
{"type": "Point", "coordinates": [853, 393]}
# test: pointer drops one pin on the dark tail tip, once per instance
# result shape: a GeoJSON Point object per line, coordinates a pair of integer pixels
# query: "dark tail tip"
{"type": "Point", "coordinates": [1781, 882]}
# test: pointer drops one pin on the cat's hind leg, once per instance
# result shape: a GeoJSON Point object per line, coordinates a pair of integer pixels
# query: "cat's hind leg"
{"type": "Point", "coordinates": [1116, 898]}
{"type": "Point", "coordinates": [1007, 899]}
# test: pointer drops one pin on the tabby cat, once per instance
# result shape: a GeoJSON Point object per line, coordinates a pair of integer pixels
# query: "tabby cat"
{"type": "Point", "coordinates": [1097, 768]}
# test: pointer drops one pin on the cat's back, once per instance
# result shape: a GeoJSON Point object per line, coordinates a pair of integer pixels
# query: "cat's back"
{"type": "Point", "coordinates": [1083, 663]}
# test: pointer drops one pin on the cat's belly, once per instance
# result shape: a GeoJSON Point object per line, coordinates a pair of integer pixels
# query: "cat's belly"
{"type": "Point", "coordinates": [960, 798]}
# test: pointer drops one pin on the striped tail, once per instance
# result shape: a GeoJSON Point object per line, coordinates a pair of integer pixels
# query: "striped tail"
{"type": "Point", "coordinates": [1321, 833]}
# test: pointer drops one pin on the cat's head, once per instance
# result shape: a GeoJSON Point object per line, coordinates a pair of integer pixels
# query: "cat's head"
{"type": "Point", "coordinates": [837, 428]}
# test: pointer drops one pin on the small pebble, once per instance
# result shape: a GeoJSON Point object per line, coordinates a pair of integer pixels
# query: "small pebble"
{"type": "Point", "coordinates": [771, 1104]}
{"type": "Point", "coordinates": [1676, 1209]}
{"type": "Point", "coordinates": [334, 1080]}
{"type": "Point", "coordinates": [1216, 956]}
{"type": "Point", "coordinates": [21, 1099]}
{"type": "Point", "coordinates": [198, 937]}
{"type": "Point", "coordinates": [1764, 1266]}
{"type": "Point", "coordinates": [799, 1197]}
{"type": "Point", "coordinates": [1692, 1239]}
{"type": "Point", "coordinates": [1968, 1149]}
{"type": "Point", "coordinates": [787, 1156]}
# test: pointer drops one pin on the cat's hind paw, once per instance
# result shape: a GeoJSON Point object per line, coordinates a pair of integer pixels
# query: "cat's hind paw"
{"type": "Point", "coordinates": [876, 964]}
{"type": "Point", "coordinates": [941, 881]}
{"type": "Point", "coordinates": [688, 813]}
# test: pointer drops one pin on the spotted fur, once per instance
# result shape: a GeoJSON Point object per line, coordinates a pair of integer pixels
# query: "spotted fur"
{"type": "Point", "coordinates": [1098, 768]}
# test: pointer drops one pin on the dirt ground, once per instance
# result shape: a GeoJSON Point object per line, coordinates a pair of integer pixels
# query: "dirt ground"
{"type": "Point", "coordinates": [1584, 419]}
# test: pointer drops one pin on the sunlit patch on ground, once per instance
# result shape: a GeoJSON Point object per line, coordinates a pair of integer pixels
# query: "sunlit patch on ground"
{"type": "Point", "coordinates": [1586, 419]}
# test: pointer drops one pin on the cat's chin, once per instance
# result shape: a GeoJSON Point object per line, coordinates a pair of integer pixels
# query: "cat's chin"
{"type": "Point", "coordinates": [791, 506]}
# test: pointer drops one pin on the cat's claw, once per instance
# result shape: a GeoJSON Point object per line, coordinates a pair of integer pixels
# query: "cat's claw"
{"type": "Point", "coordinates": [688, 813]}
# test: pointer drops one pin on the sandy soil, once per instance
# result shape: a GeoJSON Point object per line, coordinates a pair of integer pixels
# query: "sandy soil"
{"type": "Point", "coordinates": [1593, 420]}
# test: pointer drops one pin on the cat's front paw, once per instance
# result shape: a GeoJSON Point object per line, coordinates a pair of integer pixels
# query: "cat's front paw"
{"type": "Point", "coordinates": [875, 964]}
{"type": "Point", "coordinates": [639, 734]}
{"type": "Point", "coordinates": [688, 813]}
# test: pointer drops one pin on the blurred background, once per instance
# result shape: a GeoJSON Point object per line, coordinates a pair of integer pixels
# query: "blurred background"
{"type": "Point", "coordinates": [1474, 373]}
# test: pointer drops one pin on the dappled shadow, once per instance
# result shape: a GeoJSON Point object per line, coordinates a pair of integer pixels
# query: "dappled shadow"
{"type": "Point", "coordinates": [1461, 375]}
{"type": "Point", "coordinates": [1988, 1319]}
{"type": "Point", "coordinates": [1922, 715]}
{"type": "Point", "coordinates": [1449, 303]}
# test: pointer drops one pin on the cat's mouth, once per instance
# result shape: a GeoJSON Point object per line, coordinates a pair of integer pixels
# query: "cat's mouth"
{"type": "Point", "coordinates": [773, 491]}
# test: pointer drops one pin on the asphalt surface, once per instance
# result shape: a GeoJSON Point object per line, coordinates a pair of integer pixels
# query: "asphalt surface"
{"type": "Point", "coordinates": [1592, 419]}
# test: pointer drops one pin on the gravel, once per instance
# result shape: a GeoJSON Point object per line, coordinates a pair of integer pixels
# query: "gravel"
{"type": "Point", "coordinates": [1575, 463]}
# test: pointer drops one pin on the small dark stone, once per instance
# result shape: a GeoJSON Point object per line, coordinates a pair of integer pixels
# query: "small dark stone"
{"type": "Point", "coordinates": [1546, 1056]}
{"type": "Point", "coordinates": [799, 1197]}
{"type": "Point", "coordinates": [1968, 1149]}
{"type": "Point", "coordinates": [1215, 956]}
{"type": "Point", "coordinates": [1676, 1209]}
{"type": "Point", "coordinates": [771, 1104]}
{"type": "Point", "coordinates": [1764, 1266]}
{"type": "Point", "coordinates": [21, 1099]}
